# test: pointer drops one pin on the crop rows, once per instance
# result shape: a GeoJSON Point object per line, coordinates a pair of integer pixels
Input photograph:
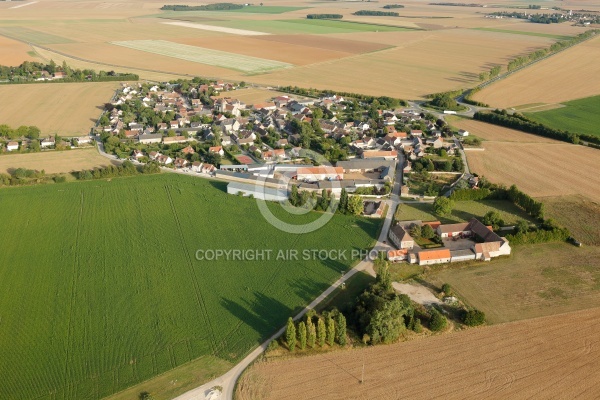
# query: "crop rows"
{"type": "Point", "coordinates": [100, 288]}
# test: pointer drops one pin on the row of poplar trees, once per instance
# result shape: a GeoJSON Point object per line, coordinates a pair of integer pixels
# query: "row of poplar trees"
{"type": "Point", "coordinates": [316, 331]}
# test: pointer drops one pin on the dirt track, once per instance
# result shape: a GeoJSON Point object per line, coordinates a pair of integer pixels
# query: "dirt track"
{"type": "Point", "coordinates": [555, 356]}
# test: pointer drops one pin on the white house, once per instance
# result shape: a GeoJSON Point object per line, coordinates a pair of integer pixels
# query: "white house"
{"type": "Point", "coordinates": [47, 142]}
{"type": "Point", "coordinates": [401, 238]}
{"type": "Point", "coordinates": [463, 133]}
{"type": "Point", "coordinates": [10, 146]}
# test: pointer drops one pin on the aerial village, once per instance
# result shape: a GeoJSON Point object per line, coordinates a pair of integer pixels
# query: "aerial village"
{"type": "Point", "coordinates": [326, 144]}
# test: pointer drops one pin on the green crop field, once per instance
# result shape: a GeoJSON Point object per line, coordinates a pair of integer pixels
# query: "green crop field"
{"type": "Point", "coordinates": [100, 287]}
{"type": "Point", "coordinates": [579, 116]}
{"type": "Point", "coordinates": [546, 35]}
{"type": "Point", "coordinates": [306, 26]}
{"type": "Point", "coordinates": [463, 211]}
{"type": "Point", "coordinates": [33, 36]}
{"type": "Point", "coordinates": [204, 56]}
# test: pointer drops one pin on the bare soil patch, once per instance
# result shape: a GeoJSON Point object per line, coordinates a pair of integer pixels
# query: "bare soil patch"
{"type": "Point", "coordinates": [535, 358]}
{"type": "Point", "coordinates": [55, 161]}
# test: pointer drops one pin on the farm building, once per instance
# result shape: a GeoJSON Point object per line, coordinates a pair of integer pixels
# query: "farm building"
{"type": "Point", "coordinates": [373, 208]}
{"type": "Point", "coordinates": [434, 257]}
{"type": "Point", "coordinates": [401, 238]}
{"type": "Point", "coordinates": [320, 173]}
{"type": "Point", "coordinates": [461, 255]}
{"type": "Point", "coordinates": [454, 230]}
{"type": "Point", "coordinates": [463, 133]}
{"type": "Point", "coordinates": [385, 154]}
{"type": "Point", "coordinates": [257, 191]}
{"type": "Point", "coordinates": [150, 138]}
{"type": "Point", "coordinates": [175, 139]}
{"type": "Point", "coordinates": [397, 255]}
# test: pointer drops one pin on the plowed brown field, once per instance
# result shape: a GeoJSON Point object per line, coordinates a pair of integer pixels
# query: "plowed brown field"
{"type": "Point", "coordinates": [569, 75]}
{"type": "Point", "coordinates": [555, 356]}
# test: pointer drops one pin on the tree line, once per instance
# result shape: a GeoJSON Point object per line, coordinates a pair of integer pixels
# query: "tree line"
{"type": "Point", "coordinates": [521, 122]}
{"type": "Point", "coordinates": [29, 71]}
{"type": "Point", "coordinates": [208, 7]}
{"type": "Point", "coordinates": [324, 16]}
{"type": "Point", "coordinates": [353, 205]}
{"type": "Point", "coordinates": [384, 101]}
{"type": "Point", "coordinates": [377, 13]}
{"type": "Point", "coordinates": [125, 169]}
{"type": "Point", "coordinates": [316, 331]}
{"type": "Point", "coordinates": [390, 6]}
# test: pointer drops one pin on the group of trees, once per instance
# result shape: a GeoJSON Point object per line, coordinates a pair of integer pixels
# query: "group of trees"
{"type": "Point", "coordinates": [548, 231]}
{"type": "Point", "coordinates": [324, 16]}
{"type": "Point", "coordinates": [529, 204]}
{"type": "Point", "coordinates": [491, 74]}
{"type": "Point", "coordinates": [29, 71]}
{"type": "Point", "coordinates": [316, 331]}
{"type": "Point", "coordinates": [427, 164]}
{"type": "Point", "coordinates": [30, 132]}
{"type": "Point", "coordinates": [377, 13]}
{"type": "Point", "coordinates": [445, 101]}
{"type": "Point", "coordinates": [208, 7]}
{"type": "Point", "coordinates": [390, 6]}
{"type": "Point", "coordinates": [353, 205]}
{"type": "Point", "coordinates": [381, 314]}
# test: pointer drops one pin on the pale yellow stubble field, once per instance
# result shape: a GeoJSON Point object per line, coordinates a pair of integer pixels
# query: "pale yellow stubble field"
{"type": "Point", "coordinates": [67, 109]}
{"type": "Point", "coordinates": [571, 74]}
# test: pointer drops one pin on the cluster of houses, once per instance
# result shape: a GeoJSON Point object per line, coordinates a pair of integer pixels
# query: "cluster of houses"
{"type": "Point", "coordinates": [465, 241]}
{"type": "Point", "coordinates": [243, 124]}
{"type": "Point", "coordinates": [46, 143]}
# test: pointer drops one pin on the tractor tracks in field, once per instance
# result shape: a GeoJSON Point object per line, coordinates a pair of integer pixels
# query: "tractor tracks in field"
{"type": "Point", "coordinates": [199, 296]}
{"type": "Point", "coordinates": [73, 285]}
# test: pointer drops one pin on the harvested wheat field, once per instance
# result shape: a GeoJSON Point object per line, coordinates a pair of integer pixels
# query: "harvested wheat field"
{"type": "Point", "coordinates": [538, 169]}
{"type": "Point", "coordinates": [326, 43]}
{"type": "Point", "coordinates": [69, 109]}
{"type": "Point", "coordinates": [496, 133]}
{"type": "Point", "coordinates": [55, 161]}
{"type": "Point", "coordinates": [415, 73]}
{"type": "Point", "coordinates": [539, 358]}
{"type": "Point", "coordinates": [569, 75]}
{"type": "Point", "coordinates": [13, 52]}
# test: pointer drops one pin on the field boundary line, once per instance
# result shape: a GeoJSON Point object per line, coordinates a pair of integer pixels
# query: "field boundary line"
{"type": "Point", "coordinates": [199, 296]}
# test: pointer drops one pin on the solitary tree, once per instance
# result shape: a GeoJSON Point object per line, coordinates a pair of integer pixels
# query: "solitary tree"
{"type": "Point", "coordinates": [330, 331]}
{"type": "Point", "coordinates": [437, 321]}
{"type": "Point", "coordinates": [343, 201]}
{"type": "Point", "coordinates": [442, 206]}
{"type": "Point", "coordinates": [355, 205]}
{"type": "Point", "coordinates": [427, 232]}
{"type": "Point", "coordinates": [321, 332]}
{"type": "Point", "coordinates": [311, 333]}
{"type": "Point", "coordinates": [302, 335]}
{"type": "Point", "coordinates": [341, 329]}
{"type": "Point", "coordinates": [290, 334]}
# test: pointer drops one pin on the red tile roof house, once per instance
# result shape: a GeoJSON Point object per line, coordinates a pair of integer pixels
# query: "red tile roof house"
{"type": "Point", "coordinates": [188, 150]}
{"type": "Point", "coordinates": [428, 257]}
{"type": "Point", "coordinates": [217, 149]}
{"type": "Point", "coordinates": [274, 154]}
{"type": "Point", "coordinates": [207, 168]}
{"type": "Point", "coordinates": [180, 162]}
